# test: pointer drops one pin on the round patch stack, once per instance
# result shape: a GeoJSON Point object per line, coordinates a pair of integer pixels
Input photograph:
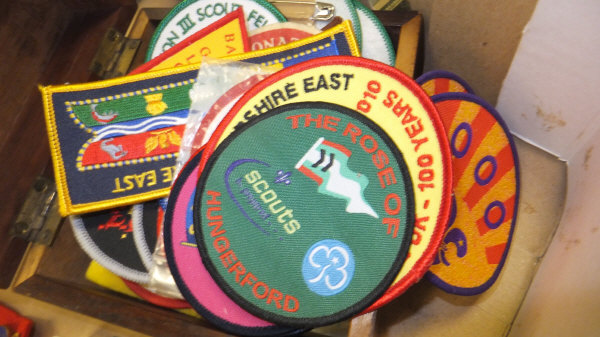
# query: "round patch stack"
{"type": "Point", "coordinates": [306, 214]}
{"type": "Point", "coordinates": [191, 16]}
{"type": "Point", "coordinates": [486, 187]}
{"type": "Point", "coordinates": [191, 277]}
{"type": "Point", "coordinates": [391, 100]}
{"type": "Point", "coordinates": [147, 221]}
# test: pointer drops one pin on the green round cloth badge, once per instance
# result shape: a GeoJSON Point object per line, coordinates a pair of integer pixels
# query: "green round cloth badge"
{"type": "Point", "coordinates": [191, 16]}
{"type": "Point", "coordinates": [306, 214]}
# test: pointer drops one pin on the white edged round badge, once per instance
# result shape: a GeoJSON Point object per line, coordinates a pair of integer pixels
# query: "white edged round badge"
{"type": "Point", "coordinates": [378, 45]}
{"type": "Point", "coordinates": [190, 16]}
{"type": "Point", "coordinates": [107, 237]}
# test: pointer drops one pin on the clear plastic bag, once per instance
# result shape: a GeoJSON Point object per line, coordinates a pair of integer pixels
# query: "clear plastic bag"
{"type": "Point", "coordinates": [218, 86]}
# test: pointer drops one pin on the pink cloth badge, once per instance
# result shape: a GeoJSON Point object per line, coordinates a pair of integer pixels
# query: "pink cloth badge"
{"type": "Point", "coordinates": [193, 280]}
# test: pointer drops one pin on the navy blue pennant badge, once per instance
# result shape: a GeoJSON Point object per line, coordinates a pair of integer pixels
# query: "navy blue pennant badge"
{"type": "Point", "coordinates": [115, 142]}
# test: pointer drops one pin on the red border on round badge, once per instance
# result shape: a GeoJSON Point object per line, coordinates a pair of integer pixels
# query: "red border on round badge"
{"type": "Point", "coordinates": [428, 256]}
{"type": "Point", "coordinates": [166, 302]}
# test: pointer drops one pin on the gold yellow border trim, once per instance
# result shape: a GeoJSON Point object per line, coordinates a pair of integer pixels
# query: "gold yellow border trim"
{"type": "Point", "coordinates": [64, 201]}
{"type": "Point", "coordinates": [129, 200]}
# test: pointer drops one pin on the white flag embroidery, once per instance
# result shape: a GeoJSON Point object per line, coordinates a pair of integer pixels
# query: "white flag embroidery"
{"type": "Point", "coordinates": [327, 164]}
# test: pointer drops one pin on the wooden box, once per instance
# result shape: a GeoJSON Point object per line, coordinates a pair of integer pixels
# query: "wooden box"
{"type": "Point", "coordinates": [55, 42]}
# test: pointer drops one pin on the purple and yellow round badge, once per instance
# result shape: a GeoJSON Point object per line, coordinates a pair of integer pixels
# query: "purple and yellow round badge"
{"type": "Point", "coordinates": [486, 191]}
{"type": "Point", "coordinates": [441, 81]}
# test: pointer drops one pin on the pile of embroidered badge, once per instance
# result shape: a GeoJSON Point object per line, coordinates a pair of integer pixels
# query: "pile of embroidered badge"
{"type": "Point", "coordinates": [278, 176]}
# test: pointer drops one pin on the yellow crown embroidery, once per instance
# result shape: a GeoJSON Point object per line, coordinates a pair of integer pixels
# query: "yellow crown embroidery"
{"type": "Point", "coordinates": [155, 104]}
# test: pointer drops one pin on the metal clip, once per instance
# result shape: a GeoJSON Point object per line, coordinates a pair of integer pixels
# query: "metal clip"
{"type": "Point", "coordinates": [38, 220]}
{"type": "Point", "coordinates": [304, 10]}
{"type": "Point", "coordinates": [324, 11]}
{"type": "Point", "coordinates": [115, 54]}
